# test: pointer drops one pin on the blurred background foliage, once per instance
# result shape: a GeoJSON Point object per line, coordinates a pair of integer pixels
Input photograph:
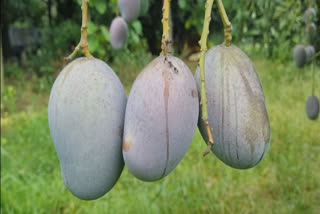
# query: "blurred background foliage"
{"type": "Point", "coordinates": [269, 27]}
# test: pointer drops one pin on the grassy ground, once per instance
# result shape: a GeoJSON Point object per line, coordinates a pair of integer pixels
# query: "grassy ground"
{"type": "Point", "coordinates": [286, 181]}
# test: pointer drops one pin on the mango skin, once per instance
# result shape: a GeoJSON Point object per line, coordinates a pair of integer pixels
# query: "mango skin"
{"type": "Point", "coordinates": [236, 108]}
{"type": "Point", "coordinates": [118, 33]}
{"type": "Point", "coordinates": [311, 30]}
{"type": "Point", "coordinates": [309, 15]}
{"type": "Point", "coordinates": [312, 107]}
{"type": "Point", "coordinates": [129, 9]}
{"type": "Point", "coordinates": [300, 55]}
{"type": "Point", "coordinates": [310, 51]}
{"type": "Point", "coordinates": [144, 7]}
{"type": "Point", "coordinates": [86, 115]}
{"type": "Point", "coordinates": [161, 118]}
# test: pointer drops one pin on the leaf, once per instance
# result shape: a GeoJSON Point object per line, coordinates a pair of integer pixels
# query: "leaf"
{"type": "Point", "coordinates": [92, 3]}
{"type": "Point", "coordinates": [188, 23]}
{"type": "Point", "coordinates": [101, 6]}
{"type": "Point", "coordinates": [105, 33]}
{"type": "Point", "coordinates": [137, 27]}
{"type": "Point", "coordinates": [274, 32]}
{"type": "Point", "coordinates": [47, 69]}
{"type": "Point", "coordinates": [94, 43]}
{"type": "Point", "coordinates": [182, 4]}
{"type": "Point", "coordinates": [135, 37]}
{"type": "Point", "coordinates": [254, 32]}
{"type": "Point", "coordinates": [92, 28]}
{"type": "Point", "coordinates": [101, 51]}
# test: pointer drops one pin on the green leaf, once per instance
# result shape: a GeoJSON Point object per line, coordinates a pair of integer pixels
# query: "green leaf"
{"type": "Point", "coordinates": [254, 32]}
{"type": "Point", "coordinates": [101, 6]}
{"type": "Point", "coordinates": [135, 37]}
{"type": "Point", "coordinates": [188, 24]}
{"type": "Point", "coordinates": [94, 43]}
{"type": "Point", "coordinates": [182, 4]}
{"type": "Point", "coordinates": [92, 28]}
{"type": "Point", "coordinates": [137, 27]}
{"type": "Point", "coordinates": [101, 51]}
{"type": "Point", "coordinates": [105, 33]}
{"type": "Point", "coordinates": [48, 69]}
{"type": "Point", "coordinates": [92, 3]}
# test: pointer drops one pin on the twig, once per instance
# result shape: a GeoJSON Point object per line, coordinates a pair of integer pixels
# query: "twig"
{"type": "Point", "coordinates": [165, 43]}
{"type": "Point", "coordinates": [227, 24]}
{"type": "Point", "coordinates": [203, 102]}
{"type": "Point", "coordinates": [83, 44]}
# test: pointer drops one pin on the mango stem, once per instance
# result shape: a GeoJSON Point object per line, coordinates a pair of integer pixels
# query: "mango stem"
{"type": "Point", "coordinates": [83, 44]}
{"type": "Point", "coordinates": [203, 95]}
{"type": "Point", "coordinates": [227, 24]}
{"type": "Point", "coordinates": [165, 43]}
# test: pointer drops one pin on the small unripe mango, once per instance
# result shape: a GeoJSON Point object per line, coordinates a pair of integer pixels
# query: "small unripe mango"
{"type": "Point", "coordinates": [299, 55]}
{"type": "Point", "coordinates": [312, 107]}
{"type": "Point", "coordinates": [309, 15]}
{"type": "Point", "coordinates": [310, 51]}
{"type": "Point", "coordinates": [118, 32]}
{"type": "Point", "coordinates": [129, 9]}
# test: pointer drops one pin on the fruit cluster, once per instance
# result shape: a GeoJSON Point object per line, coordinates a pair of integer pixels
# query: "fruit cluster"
{"type": "Point", "coordinates": [302, 54]}
{"type": "Point", "coordinates": [96, 129]}
{"type": "Point", "coordinates": [130, 10]}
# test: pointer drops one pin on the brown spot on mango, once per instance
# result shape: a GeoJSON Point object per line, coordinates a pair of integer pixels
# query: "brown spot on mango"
{"type": "Point", "coordinates": [126, 145]}
{"type": "Point", "coordinates": [194, 93]}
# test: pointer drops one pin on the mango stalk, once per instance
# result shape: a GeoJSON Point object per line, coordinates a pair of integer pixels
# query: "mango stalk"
{"type": "Point", "coordinates": [83, 44]}
{"type": "Point", "coordinates": [227, 24]}
{"type": "Point", "coordinates": [165, 43]}
{"type": "Point", "coordinates": [203, 101]}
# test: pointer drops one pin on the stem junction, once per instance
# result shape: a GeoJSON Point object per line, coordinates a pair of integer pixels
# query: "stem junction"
{"type": "Point", "coordinates": [227, 24]}
{"type": "Point", "coordinates": [83, 44]}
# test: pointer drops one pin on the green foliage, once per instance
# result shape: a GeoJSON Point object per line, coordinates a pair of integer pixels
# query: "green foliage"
{"type": "Point", "coordinates": [98, 32]}
{"type": "Point", "coordinates": [13, 70]}
{"type": "Point", "coordinates": [274, 26]}
{"type": "Point", "coordinates": [25, 13]}
{"type": "Point", "coordinates": [99, 41]}
{"type": "Point", "coordinates": [60, 39]}
{"type": "Point", "coordinates": [8, 99]}
{"type": "Point", "coordinates": [269, 27]}
{"type": "Point", "coordinates": [192, 15]}
{"type": "Point", "coordinates": [40, 74]}
{"type": "Point", "coordinates": [14, 98]}
{"type": "Point", "coordinates": [43, 84]}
